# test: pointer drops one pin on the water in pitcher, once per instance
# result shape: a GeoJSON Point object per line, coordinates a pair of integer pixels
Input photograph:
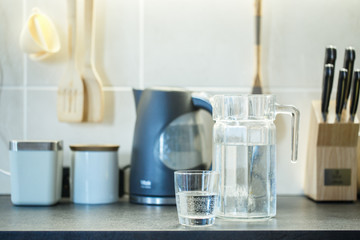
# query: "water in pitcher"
{"type": "Point", "coordinates": [247, 184]}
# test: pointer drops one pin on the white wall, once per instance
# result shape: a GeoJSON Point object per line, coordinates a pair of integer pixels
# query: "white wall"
{"type": "Point", "coordinates": [197, 44]}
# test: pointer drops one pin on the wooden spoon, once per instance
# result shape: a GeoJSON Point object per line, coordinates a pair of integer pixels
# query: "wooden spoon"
{"type": "Point", "coordinates": [94, 97]}
{"type": "Point", "coordinates": [257, 88]}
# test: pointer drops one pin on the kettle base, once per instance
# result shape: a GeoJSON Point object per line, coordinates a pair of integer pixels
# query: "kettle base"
{"type": "Point", "coordinates": [152, 200]}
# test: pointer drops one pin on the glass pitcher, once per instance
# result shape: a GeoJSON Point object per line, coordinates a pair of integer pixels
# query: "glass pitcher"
{"type": "Point", "coordinates": [244, 153]}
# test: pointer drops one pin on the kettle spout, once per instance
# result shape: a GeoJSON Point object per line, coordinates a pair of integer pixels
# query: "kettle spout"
{"type": "Point", "coordinates": [137, 94]}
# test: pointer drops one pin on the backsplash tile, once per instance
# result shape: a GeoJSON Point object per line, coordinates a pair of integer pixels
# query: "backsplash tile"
{"type": "Point", "coordinates": [198, 43]}
{"type": "Point", "coordinates": [49, 71]}
{"type": "Point", "coordinates": [294, 41]}
{"type": "Point", "coordinates": [11, 127]}
{"type": "Point", "coordinates": [11, 57]}
{"type": "Point", "coordinates": [117, 42]}
{"type": "Point", "coordinates": [116, 45]}
{"type": "Point", "coordinates": [117, 127]}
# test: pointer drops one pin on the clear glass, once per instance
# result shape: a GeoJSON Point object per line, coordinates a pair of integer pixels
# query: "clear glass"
{"type": "Point", "coordinates": [196, 196]}
{"type": "Point", "coordinates": [244, 154]}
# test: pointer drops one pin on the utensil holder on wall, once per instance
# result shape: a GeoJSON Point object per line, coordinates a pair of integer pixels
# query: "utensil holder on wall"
{"type": "Point", "coordinates": [331, 164]}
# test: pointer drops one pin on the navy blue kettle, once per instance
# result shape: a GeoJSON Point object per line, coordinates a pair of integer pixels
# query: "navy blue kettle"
{"type": "Point", "coordinates": [173, 131]}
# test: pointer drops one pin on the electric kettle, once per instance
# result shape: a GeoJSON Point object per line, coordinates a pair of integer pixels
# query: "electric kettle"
{"type": "Point", "coordinates": [173, 131]}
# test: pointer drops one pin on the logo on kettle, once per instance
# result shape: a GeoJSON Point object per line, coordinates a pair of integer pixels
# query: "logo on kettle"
{"type": "Point", "coordinates": [146, 184]}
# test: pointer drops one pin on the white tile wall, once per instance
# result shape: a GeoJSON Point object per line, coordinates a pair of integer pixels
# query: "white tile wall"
{"type": "Point", "coordinates": [11, 127]}
{"type": "Point", "coordinates": [203, 45]}
{"type": "Point", "coordinates": [198, 43]}
{"type": "Point", "coordinates": [11, 60]}
{"type": "Point", "coordinates": [47, 73]}
{"type": "Point", "coordinates": [117, 127]}
{"type": "Point", "coordinates": [118, 43]}
{"type": "Point", "coordinates": [296, 33]}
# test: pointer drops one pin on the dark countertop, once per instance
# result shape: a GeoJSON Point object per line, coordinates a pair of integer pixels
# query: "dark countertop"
{"type": "Point", "coordinates": [297, 218]}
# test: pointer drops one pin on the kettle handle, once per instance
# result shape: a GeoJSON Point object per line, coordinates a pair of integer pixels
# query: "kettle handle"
{"type": "Point", "coordinates": [201, 100]}
{"type": "Point", "coordinates": [137, 94]}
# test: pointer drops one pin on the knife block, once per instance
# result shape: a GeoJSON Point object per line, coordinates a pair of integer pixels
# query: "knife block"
{"type": "Point", "coordinates": [331, 164]}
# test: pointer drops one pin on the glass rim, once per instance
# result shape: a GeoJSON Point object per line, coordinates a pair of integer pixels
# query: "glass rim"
{"type": "Point", "coordinates": [195, 172]}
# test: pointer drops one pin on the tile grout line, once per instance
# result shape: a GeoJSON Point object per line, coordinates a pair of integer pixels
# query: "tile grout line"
{"type": "Point", "coordinates": [244, 90]}
{"type": "Point", "coordinates": [25, 96]}
{"type": "Point", "coordinates": [241, 90]}
{"type": "Point", "coordinates": [141, 44]}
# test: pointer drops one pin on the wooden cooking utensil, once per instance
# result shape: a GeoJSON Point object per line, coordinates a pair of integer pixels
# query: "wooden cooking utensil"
{"type": "Point", "coordinates": [70, 96]}
{"type": "Point", "coordinates": [94, 97]}
{"type": "Point", "coordinates": [257, 88]}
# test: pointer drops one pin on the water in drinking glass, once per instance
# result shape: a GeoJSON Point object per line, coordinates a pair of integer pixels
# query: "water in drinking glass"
{"type": "Point", "coordinates": [196, 207]}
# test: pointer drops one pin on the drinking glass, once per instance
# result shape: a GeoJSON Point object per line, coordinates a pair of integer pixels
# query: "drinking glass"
{"type": "Point", "coordinates": [196, 196]}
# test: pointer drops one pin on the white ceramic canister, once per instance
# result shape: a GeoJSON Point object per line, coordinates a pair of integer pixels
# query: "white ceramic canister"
{"type": "Point", "coordinates": [36, 172]}
{"type": "Point", "coordinates": [94, 174]}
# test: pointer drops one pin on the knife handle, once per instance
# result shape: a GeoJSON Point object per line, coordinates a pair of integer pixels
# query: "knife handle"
{"type": "Point", "coordinates": [349, 59]}
{"type": "Point", "coordinates": [355, 94]}
{"type": "Point", "coordinates": [328, 79]}
{"type": "Point", "coordinates": [330, 55]}
{"type": "Point", "coordinates": [340, 95]}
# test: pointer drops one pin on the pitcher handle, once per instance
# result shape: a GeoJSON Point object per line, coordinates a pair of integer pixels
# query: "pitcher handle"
{"type": "Point", "coordinates": [295, 118]}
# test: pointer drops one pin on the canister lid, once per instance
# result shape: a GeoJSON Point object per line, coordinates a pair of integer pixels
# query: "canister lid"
{"type": "Point", "coordinates": [94, 148]}
{"type": "Point", "coordinates": [35, 145]}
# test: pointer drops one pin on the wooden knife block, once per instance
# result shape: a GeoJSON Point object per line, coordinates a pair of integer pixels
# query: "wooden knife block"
{"type": "Point", "coordinates": [331, 164]}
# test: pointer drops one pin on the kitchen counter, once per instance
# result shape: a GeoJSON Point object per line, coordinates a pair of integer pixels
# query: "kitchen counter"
{"type": "Point", "coordinates": [297, 218]}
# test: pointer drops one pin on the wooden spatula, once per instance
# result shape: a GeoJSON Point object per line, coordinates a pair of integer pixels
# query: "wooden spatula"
{"type": "Point", "coordinates": [94, 98]}
{"type": "Point", "coordinates": [257, 88]}
{"type": "Point", "coordinates": [70, 96]}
